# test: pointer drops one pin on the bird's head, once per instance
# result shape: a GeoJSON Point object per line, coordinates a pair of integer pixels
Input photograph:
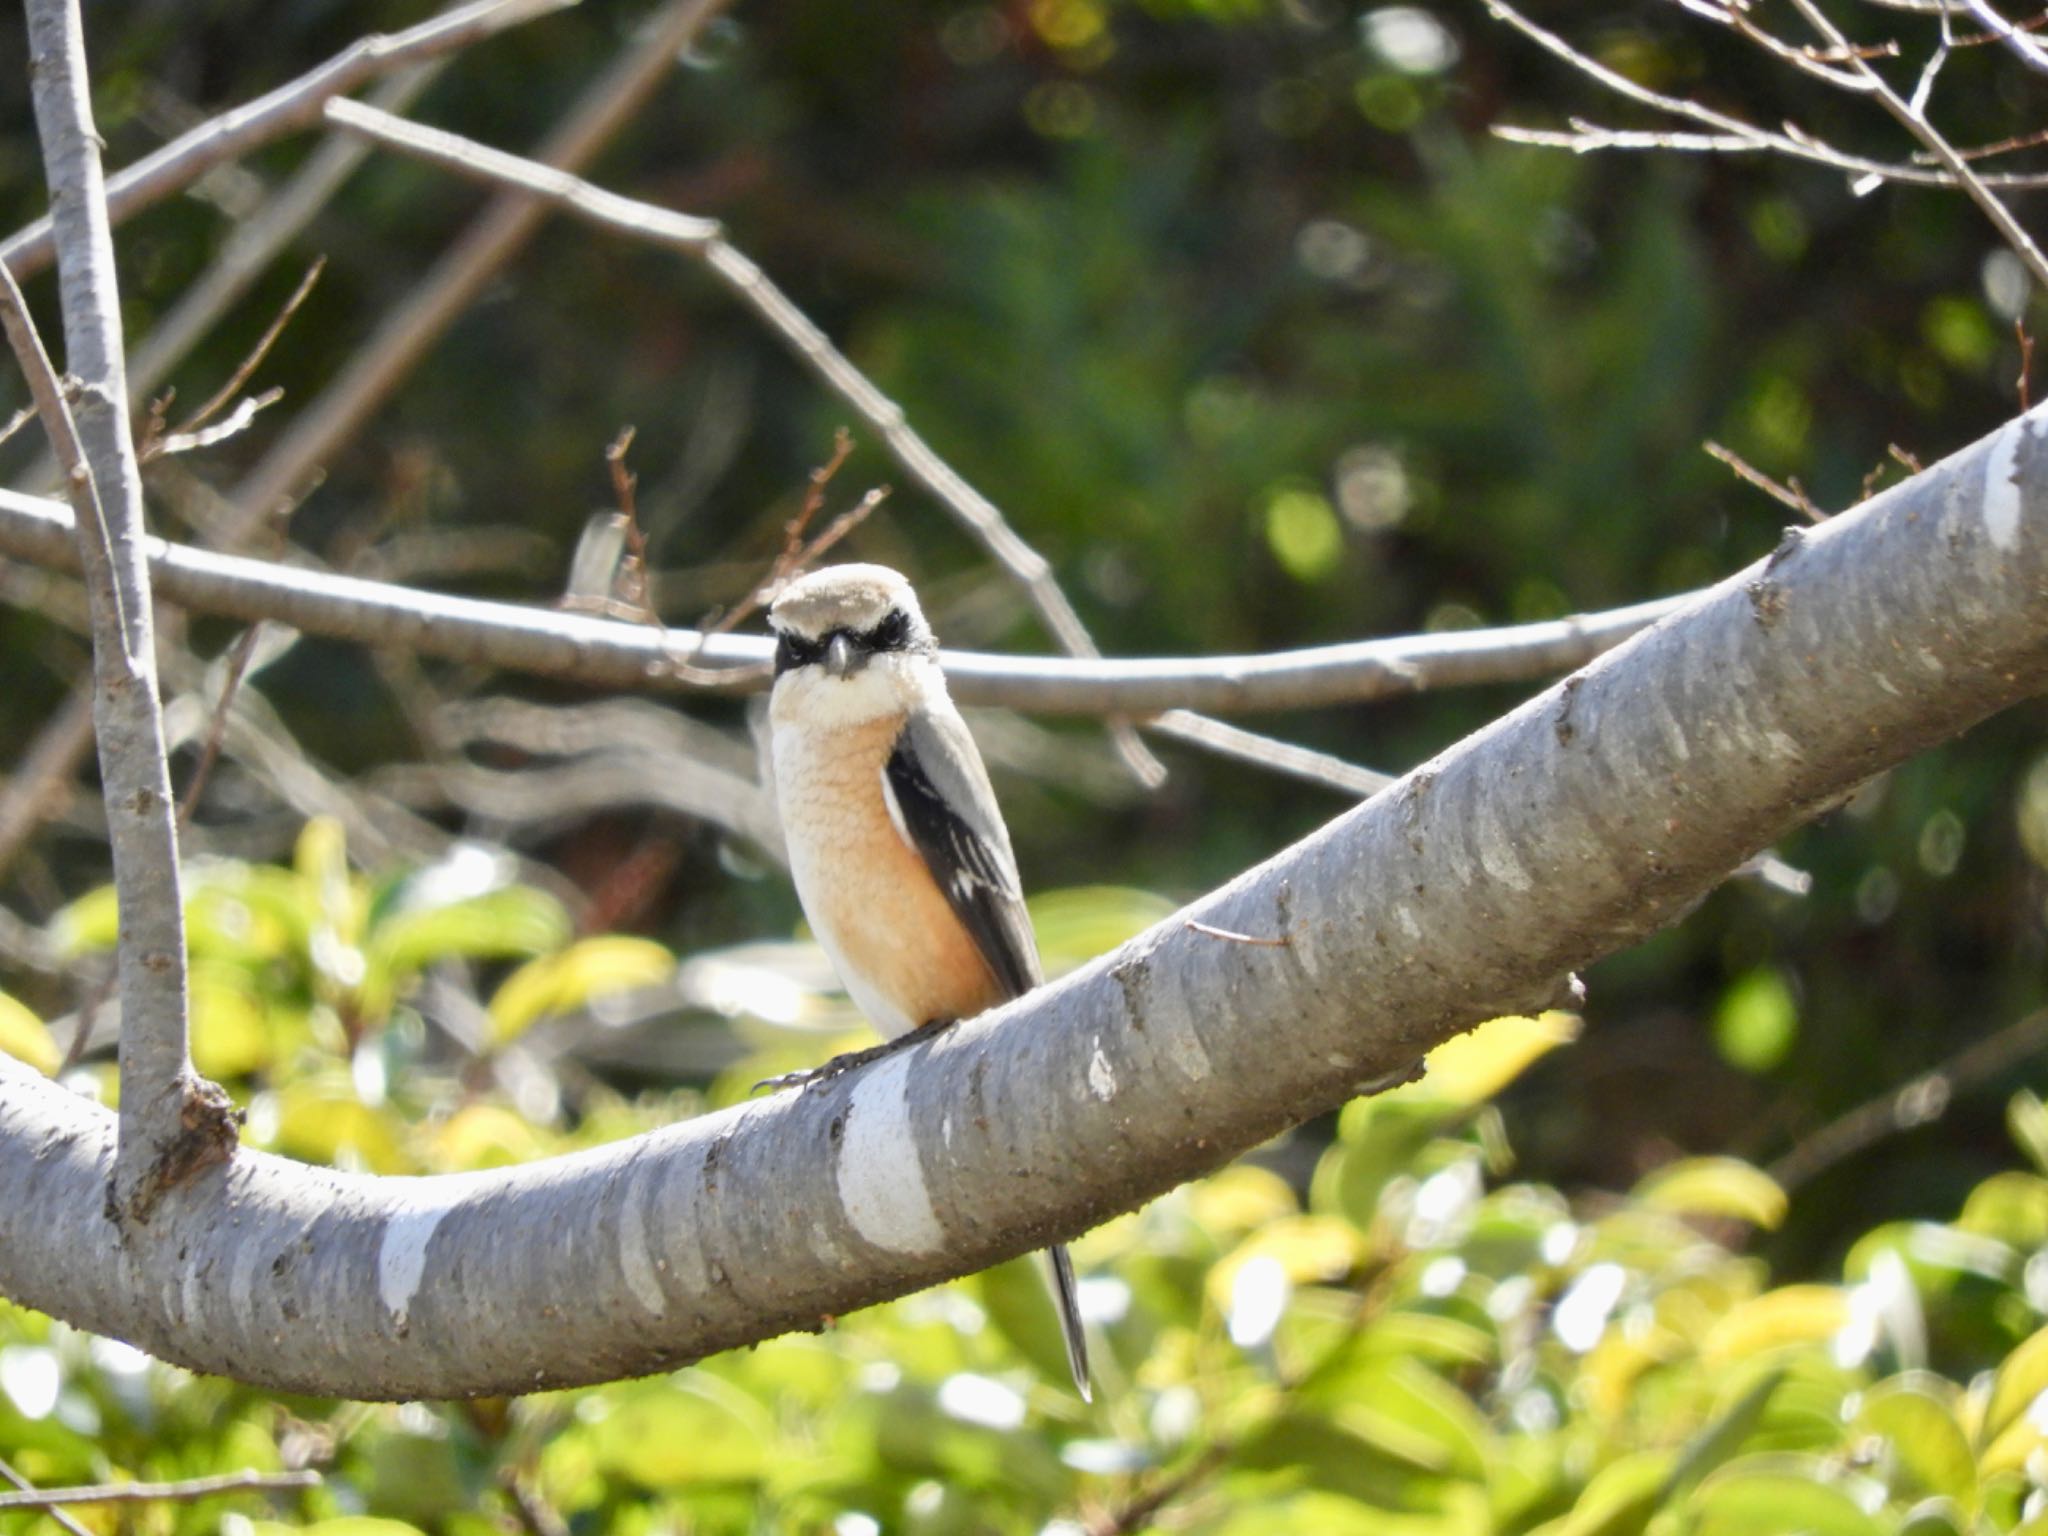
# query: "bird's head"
{"type": "Point", "coordinates": [850, 640]}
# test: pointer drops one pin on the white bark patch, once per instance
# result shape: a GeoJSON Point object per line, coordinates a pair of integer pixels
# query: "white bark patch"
{"type": "Point", "coordinates": [881, 1181]}
{"type": "Point", "coordinates": [402, 1253]}
{"type": "Point", "coordinates": [1784, 745]}
{"type": "Point", "coordinates": [1101, 1075]}
{"type": "Point", "coordinates": [2001, 493]}
{"type": "Point", "coordinates": [1667, 723]}
{"type": "Point", "coordinates": [636, 1264]}
{"type": "Point", "coordinates": [1410, 928]}
{"type": "Point", "coordinates": [1496, 852]}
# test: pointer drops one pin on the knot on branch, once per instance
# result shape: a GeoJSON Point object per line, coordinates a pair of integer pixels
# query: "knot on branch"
{"type": "Point", "coordinates": [209, 1130]}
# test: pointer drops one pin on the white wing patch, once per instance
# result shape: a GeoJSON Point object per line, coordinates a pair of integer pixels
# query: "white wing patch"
{"type": "Point", "coordinates": [894, 807]}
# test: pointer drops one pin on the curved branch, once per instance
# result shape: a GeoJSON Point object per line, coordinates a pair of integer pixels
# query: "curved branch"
{"type": "Point", "coordinates": [1586, 819]}
{"type": "Point", "coordinates": [608, 653]}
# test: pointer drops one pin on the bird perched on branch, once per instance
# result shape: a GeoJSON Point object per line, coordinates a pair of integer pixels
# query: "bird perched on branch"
{"type": "Point", "coordinates": [897, 847]}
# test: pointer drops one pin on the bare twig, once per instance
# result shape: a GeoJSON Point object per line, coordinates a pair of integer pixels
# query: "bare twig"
{"type": "Point", "coordinates": [2025, 381]}
{"type": "Point", "coordinates": [1730, 134]}
{"type": "Point", "coordinates": [411, 329]}
{"type": "Point", "coordinates": [1231, 935]}
{"type": "Point", "coordinates": [256, 240]}
{"type": "Point", "coordinates": [1792, 495]}
{"type": "Point", "coordinates": [42, 777]}
{"type": "Point", "coordinates": [257, 353]}
{"type": "Point", "coordinates": [171, 1122]}
{"type": "Point", "coordinates": [608, 654]}
{"type": "Point", "coordinates": [1923, 1100]}
{"type": "Point", "coordinates": [237, 664]}
{"type": "Point", "coordinates": [1915, 122]}
{"type": "Point", "coordinates": [2024, 48]}
{"type": "Point", "coordinates": [704, 240]}
{"type": "Point", "coordinates": [150, 1493]}
{"type": "Point", "coordinates": [1284, 757]}
{"type": "Point", "coordinates": [291, 106]}
{"type": "Point", "coordinates": [58, 1515]}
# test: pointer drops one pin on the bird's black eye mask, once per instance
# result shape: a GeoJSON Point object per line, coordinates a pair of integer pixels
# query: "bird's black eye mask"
{"type": "Point", "coordinates": [892, 634]}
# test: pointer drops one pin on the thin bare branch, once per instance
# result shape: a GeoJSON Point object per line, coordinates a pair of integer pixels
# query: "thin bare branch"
{"type": "Point", "coordinates": [1792, 495]}
{"type": "Point", "coordinates": [255, 241]}
{"type": "Point", "coordinates": [292, 106]}
{"type": "Point", "coordinates": [257, 353]}
{"type": "Point", "coordinates": [2024, 48]}
{"type": "Point", "coordinates": [1916, 123]}
{"type": "Point", "coordinates": [704, 240]}
{"type": "Point", "coordinates": [209, 753]}
{"type": "Point", "coordinates": [62, 1519]}
{"type": "Point", "coordinates": [1286, 757]}
{"type": "Point", "coordinates": [497, 235]}
{"type": "Point", "coordinates": [154, 1493]}
{"type": "Point", "coordinates": [172, 1123]}
{"type": "Point", "coordinates": [1923, 1100]}
{"type": "Point", "coordinates": [608, 654]}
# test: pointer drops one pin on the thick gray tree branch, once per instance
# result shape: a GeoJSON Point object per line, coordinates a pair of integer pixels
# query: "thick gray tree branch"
{"type": "Point", "coordinates": [292, 106]}
{"type": "Point", "coordinates": [1590, 817]}
{"type": "Point", "coordinates": [609, 653]}
{"type": "Point", "coordinates": [171, 1121]}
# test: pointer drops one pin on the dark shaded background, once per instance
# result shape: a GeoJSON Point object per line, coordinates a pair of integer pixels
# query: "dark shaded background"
{"type": "Point", "coordinates": [1264, 342]}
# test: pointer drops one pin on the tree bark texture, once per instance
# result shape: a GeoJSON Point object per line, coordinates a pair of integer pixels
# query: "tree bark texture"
{"type": "Point", "coordinates": [1588, 818]}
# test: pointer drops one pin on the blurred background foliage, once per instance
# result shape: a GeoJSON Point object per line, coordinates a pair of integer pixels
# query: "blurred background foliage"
{"type": "Point", "coordinates": [1240, 314]}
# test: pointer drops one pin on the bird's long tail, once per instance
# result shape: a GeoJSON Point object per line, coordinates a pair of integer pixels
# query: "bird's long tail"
{"type": "Point", "coordinates": [1069, 1303]}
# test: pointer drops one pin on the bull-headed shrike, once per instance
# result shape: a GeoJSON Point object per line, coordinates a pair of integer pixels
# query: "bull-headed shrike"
{"type": "Point", "coordinates": [899, 853]}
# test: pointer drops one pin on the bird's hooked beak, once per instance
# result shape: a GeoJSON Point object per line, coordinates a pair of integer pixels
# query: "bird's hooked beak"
{"type": "Point", "coordinates": [841, 659]}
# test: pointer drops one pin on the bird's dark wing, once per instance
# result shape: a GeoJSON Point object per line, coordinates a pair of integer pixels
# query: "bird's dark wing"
{"type": "Point", "coordinates": [950, 816]}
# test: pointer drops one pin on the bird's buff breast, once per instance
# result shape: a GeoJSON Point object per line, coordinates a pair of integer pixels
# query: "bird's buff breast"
{"type": "Point", "coordinates": [902, 954]}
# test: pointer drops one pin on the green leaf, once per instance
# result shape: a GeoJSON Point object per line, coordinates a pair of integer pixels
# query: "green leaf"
{"type": "Point", "coordinates": [89, 925]}
{"type": "Point", "coordinates": [1303, 532]}
{"type": "Point", "coordinates": [1715, 1186]}
{"type": "Point", "coordinates": [2027, 1119]}
{"type": "Point", "coordinates": [1926, 1446]}
{"type": "Point", "coordinates": [2020, 1380]}
{"type": "Point", "coordinates": [569, 980]}
{"type": "Point", "coordinates": [230, 1034]}
{"type": "Point", "coordinates": [1076, 924]}
{"type": "Point", "coordinates": [514, 921]}
{"type": "Point", "coordinates": [1757, 1020]}
{"type": "Point", "coordinates": [1474, 1067]}
{"type": "Point", "coordinates": [1620, 1499]}
{"type": "Point", "coordinates": [26, 1038]}
{"type": "Point", "coordinates": [1776, 1495]}
{"type": "Point", "coordinates": [682, 1431]}
{"type": "Point", "coordinates": [1790, 1315]}
{"type": "Point", "coordinates": [1721, 1439]}
{"type": "Point", "coordinates": [2010, 1206]}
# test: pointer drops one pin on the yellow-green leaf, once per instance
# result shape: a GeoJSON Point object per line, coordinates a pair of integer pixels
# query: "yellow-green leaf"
{"type": "Point", "coordinates": [1715, 1186]}
{"type": "Point", "coordinates": [1925, 1443]}
{"type": "Point", "coordinates": [1776, 1496]}
{"type": "Point", "coordinates": [1620, 1499]}
{"type": "Point", "coordinates": [230, 1035]}
{"type": "Point", "coordinates": [89, 925]}
{"type": "Point", "coordinates": [1792, 1314]}
{"type": "Point", "coordinates": [1308, 1249]}
{"type": "Point", "coordinates": [26, 1038]}
{"type": "Point", "coordinates": [564, 982]}
{"type": "Point", "coordinates": [1475, 1066]}
{"type": "Point", "coordinates": [2021, 1379]}
{"type": "Point", "coordinates": [683, 1431]}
